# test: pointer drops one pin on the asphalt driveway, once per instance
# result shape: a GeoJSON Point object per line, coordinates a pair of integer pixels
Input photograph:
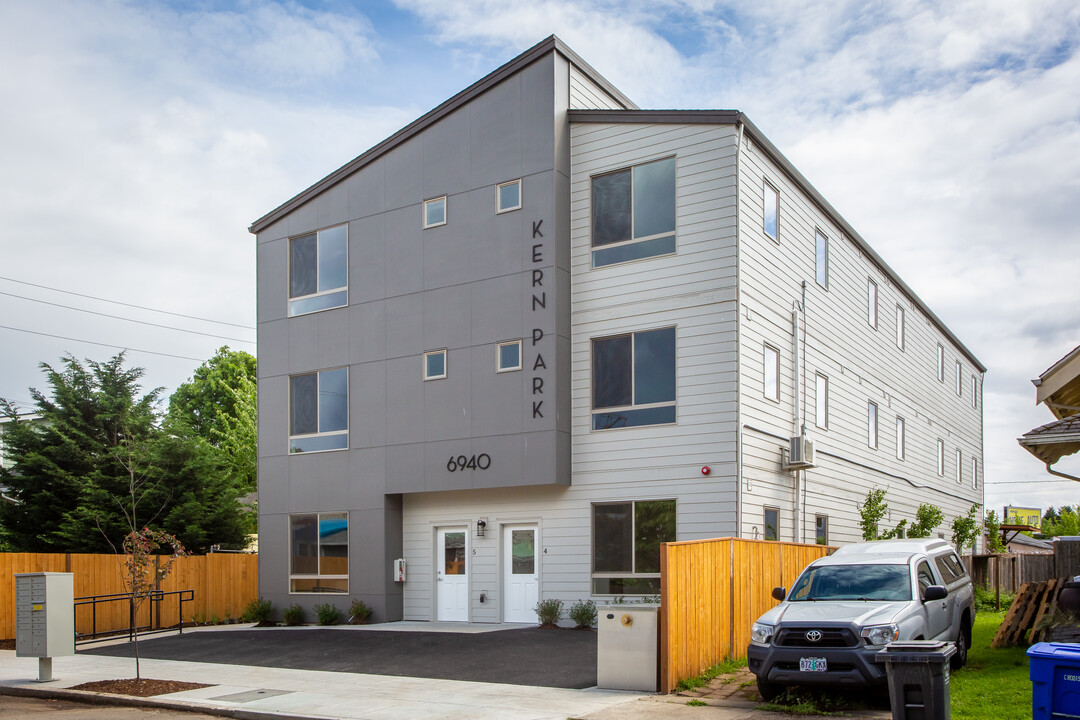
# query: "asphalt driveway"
{"type": "Point", "coordinates": [521, 656]}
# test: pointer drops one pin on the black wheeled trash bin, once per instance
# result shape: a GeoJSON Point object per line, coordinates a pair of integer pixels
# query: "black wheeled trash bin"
{"type": "Point", "coordinates": [918, 673]}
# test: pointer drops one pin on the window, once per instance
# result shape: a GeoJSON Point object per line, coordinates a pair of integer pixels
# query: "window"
{"type": "Point", "coordinates": [821, 529]}
{"type": "Point", "coordinates": [633, 379]}
{"type": "Point", "coordinates": [959, 379]}
{"type": "Point", "coordinates": [941, 458]}
{"type": "Point", "coordinates": [871, 425]}
{"type": "Point", "coordinates": [925, 577]}
{"type": "Point", "coordinates": [508, 356]}
{"type": "Point", "coordinates": [822, 256]}
{"type": "Point", "coordinates": [319, 271]}
{"type": "Point", "coordinates": [871, 303]}
{"type": "Point", "coordinates": [821, 401]}
{"type": "Point", "coordinates": [940, 363]}
{"type": "Point", "coordinates": [959, 463]}
{"type": "Point", "coordinates": [634, 213]}
{"type": "Point", "coordinates": [772, 373]}
{"type": "Point", "coordinates": [626, 545]}
{"type": "Point", "coordinates": [900, 440]}
{"type": "Point", "coordinates": [974, 392]}
{"type": "Point", "coordinates": [772, 211]}
{"type": "Point", "coordinates": [508, 196]}
{"type": "Point", "coordinates": [899, 327]}
{"type": "Point", "coordinates": [771, 523]}
{"type": "Point", "coordinates": [435, 365]}
{"type": "Point", "coordinates": [319, 553]}
{"type": "Point", "coordinates": [435, 212]}
{"type": "Point", "coordinates": [974, 473]}
{"type": "Point", "coordinates": [319, 411]}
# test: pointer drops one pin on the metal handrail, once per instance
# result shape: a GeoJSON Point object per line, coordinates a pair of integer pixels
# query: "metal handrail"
{"type": "Point", "coordinates": [154, 596]}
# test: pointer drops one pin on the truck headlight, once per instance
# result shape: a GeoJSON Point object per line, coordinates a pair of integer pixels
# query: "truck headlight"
{"type": "Point", "coordinates": [881, 634]}
{"type": "Point", "coordinates": [760, 633]}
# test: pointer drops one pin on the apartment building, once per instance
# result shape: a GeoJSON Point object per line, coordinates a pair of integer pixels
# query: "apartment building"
{"type": "Point", "coordinates": [511, 349]}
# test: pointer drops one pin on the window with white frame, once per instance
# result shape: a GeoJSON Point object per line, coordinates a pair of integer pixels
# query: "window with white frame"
{"type": "Point", "coordinates": [633, 378]}
{"type": "Point", "coordinates": [771, 523]}
{"type": "Point", "coordinates": [821, 401]}
{"type": "Point", "coordinates": [974, 392]}
{"type": "Point", "coordinates": [319, 553]}
{"type": "Point", "coordinates": [959, 465]}
{"type": "Point", "coordinates": [940, 363]}
{"type": "Point", "coordinates": [772, 373]}
{"type": "Point", "coordinates": [319, 411]}
{"type": "Point", "coordinates": [508, 356]}
{"type": "Point", "coordinates": [871, 303]}
{"type": "Point", "coordinates": [959, 379]}
{"type": "Point", "coordinates": [821, 255]}
{"type": "Point", "coordinates": [434, 212]}
{"type": "Point", "coordinates": [435, 364]}
{"type": "Point", "coordinates": [974, 473]}
{"type": "Point", "coordinates": [941, 457]}
{"type": "Point", "coordinates": [626, 545]}
{"type": "Point", "coordinates": [319, 271]}
{"type": "Point", "coordinates": [633, 213]}
{"type": "Point", "coordinates": [900, 438]}
{"type": "Point", "coordinates": [508, 196]}
{"type": "Point", "coordinates": [771, 218]}
{"type": "Point", "coordinates": [871, 425]}
{"type": "Point", "coordinates": [821, 529]}
{"type": "Point", "coordinates": [899, 327]}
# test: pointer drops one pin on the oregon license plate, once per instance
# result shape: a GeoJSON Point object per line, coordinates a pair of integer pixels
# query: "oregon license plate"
{"type": "Point", "coordinates": [813, 665]}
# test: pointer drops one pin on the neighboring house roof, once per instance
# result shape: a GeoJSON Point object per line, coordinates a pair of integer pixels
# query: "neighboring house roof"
{"type": "Point", "coordinates": [481, 86]}
{"type": "Point", "coordinates": [1021, 539]}
{"type": "Point", "coordinates": [1059, 386]}
{"type": "Point", "coordinates": [1054, 440]}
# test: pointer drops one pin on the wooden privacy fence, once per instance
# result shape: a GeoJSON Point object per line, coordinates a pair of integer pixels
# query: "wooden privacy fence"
{"type": "Point", "coordinates": [712, 591]}
{"type": "Point", "coordinates": [224, 583]}
{"type": "Point", "coordinates": [1008, 572]}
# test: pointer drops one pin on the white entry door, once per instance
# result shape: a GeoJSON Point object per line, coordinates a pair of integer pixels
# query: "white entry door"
{"type": "Point", "coordinates": [452, 574]}
{"type": "Point", "coordinates": [521, 584]}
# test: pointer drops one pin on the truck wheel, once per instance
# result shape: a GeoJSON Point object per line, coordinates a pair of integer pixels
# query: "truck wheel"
{"type": "Point", "coordinates": [963, 642]}
{"type": "Point", "coordinates": [768, 690]}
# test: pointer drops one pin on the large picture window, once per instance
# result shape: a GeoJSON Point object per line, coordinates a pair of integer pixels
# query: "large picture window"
{"type": "Point", "coordinates": [319, 411]}
{"type": "Point", "coordinates": [633, 213]}
{"type": "Point", "coordinates": [626, 545]}
{"type": "Point", "coordinates": [319, 553]}
{"type": "Point", "coordinates": [319, 271]}
{"type": "Point", "coordinates": [633, 379]}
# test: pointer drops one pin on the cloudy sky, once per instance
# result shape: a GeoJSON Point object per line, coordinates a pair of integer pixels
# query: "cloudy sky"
{"type": "Point", "coordinates": [138, 140]}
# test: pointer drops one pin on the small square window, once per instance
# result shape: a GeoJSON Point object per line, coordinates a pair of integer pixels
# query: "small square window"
{"type": "Point", "coordinates": [772, 212]}
{"type": "Point", "coordinates": [435, 212]}
{"type": "Point", "coordinates": [772, 523]}
{"type": "Point", "coordinates": [508, 196]}
{"type": "Point", "coordinates": [772, 373]}
{"type": "Point", "coordinates": [435, 365]}
{"type": "Point", "coordinates": [508, 357]}
{"type": "Point", "coordinates": [822, 260]}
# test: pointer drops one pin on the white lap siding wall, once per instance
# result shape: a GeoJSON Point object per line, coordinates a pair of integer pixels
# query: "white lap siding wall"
{"type": "Point", "coordinates": [862, 364]}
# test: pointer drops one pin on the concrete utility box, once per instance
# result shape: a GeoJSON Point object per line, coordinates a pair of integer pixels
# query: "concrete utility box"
{"type": "Point", "coordinates": [627, 647]}
{"type": "Point", "coordinates": [44, 618]}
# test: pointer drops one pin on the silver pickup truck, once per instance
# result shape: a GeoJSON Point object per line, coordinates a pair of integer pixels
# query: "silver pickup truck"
{"type": "Point", "coordinates": [845, 607]}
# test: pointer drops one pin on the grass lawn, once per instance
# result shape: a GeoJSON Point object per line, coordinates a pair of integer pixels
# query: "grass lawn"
{"type": "Point", "coordinates": [995, 683]}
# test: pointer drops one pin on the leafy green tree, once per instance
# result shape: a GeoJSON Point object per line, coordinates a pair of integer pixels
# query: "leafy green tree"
{"type": "Point", "coordinates": [1066, 523]}
{"type": "Point", "coordinates": [993, 533]}
{"type": "Point", "coordinates": [873, 510]}
{"type": "Point", "coordinates": [966, 528]}
{"type": "Point", "coordinates": [927, 517]}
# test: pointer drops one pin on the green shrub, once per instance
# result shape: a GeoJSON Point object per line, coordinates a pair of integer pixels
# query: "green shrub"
{"type": "Point", "coordinates": [549, 612]}
{"type": "Point", "coordinates": [328, 614]}
{"type": "Point", "coordinates": [986, 600]}
{"type": "Point", "coordinates": [258, 611]}
{"type": "Point", "coordinates": [359, 612]}
{"type": "Point", "coordinates": [583, 613]}
{"type": "Point", "coordinates": [293, 615]}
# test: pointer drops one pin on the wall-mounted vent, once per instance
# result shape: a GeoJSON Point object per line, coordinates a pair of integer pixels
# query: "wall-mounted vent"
{"type": "Point", "coordinates": [800, 453]}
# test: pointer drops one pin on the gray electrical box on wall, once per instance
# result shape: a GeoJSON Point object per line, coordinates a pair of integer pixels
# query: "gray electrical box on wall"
{"type": "Point", "coordinates": [44, 618]}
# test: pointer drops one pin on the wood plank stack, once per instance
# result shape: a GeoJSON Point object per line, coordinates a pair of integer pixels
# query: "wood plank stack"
{"type": "Point", "coordinates": [1032, 603]}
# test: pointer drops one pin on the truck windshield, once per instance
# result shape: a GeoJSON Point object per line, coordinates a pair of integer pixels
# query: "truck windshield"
{"type": "Point", "coordinates": [853, 582]}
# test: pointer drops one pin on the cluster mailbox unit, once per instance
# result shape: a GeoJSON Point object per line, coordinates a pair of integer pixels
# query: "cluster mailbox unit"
{"type": "Point", "coordinates": [44, 618]}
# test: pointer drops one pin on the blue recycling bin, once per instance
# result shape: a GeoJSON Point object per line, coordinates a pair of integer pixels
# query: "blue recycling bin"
{"type": "Point", "coordinates": [1055, 681]}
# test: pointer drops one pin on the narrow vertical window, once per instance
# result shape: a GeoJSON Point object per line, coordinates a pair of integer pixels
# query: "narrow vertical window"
{"type": "Point", "coordinates": [772, 523]}
{"type": "Point", "coordinates": [435, 365]}
{"type": "Point", "coordinates": [821, 529]}
{"type": "Point", "coordinates": [959, 379]}
{"type": "Point", "coordinates": [772, 212]}
{"type": "Point", "coordinates": [900, 439]}
{"type": "Point", "coordinates": [871, 303]}
{"type": "Point", "coordinates": [508, 196]}
{"type": "Point", "coordinates": [821, 401]}
{"type": "Point", "coordinates": [941, 458]}
{"type": "Point", "coordinates": [974, 392]}
{"type": "Point", "coordinates": [940, 363]}
{"type": "Point", "coordinates": [822, 260]}
{"type": "Point", "coordinates": [959, 465]}
{"type": "Point", "coordinates": [871, 425]}
{"type": "Point", "coordinates": [899, 327]}
{"type": "Point", "coordinates": [772, 373]}
{"type": "Point", "coordinates": [974, 473]}
{"type": "Point", "coordinates": [435, 212]}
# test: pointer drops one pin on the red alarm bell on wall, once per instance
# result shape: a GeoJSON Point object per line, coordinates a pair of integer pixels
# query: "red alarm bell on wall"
{"type": "Point", "coordinates": [705, 470]}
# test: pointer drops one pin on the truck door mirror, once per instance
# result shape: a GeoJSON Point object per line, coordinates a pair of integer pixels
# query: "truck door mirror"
{"type": "Point", "coordinates": [778, 593]}
{"type": "Point", "coordinates": [935, 592]}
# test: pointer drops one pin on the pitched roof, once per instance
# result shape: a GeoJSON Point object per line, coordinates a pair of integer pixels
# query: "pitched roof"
{"type": "Point", "coordinates": [541, 49]}
{"type": "Point", "coordinates": [1054, 440]}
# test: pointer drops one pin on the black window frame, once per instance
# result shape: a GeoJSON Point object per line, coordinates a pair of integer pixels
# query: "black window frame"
{"type": "Point", "coordinates": [605, 384]}
{"type": "Point", "coordinates": [632, 247]}
{"type": "Point", "coordinates": [630, 579]}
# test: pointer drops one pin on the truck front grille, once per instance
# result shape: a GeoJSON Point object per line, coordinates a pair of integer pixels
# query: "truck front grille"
{"type": "Point", "coordinates": [830, 637]}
